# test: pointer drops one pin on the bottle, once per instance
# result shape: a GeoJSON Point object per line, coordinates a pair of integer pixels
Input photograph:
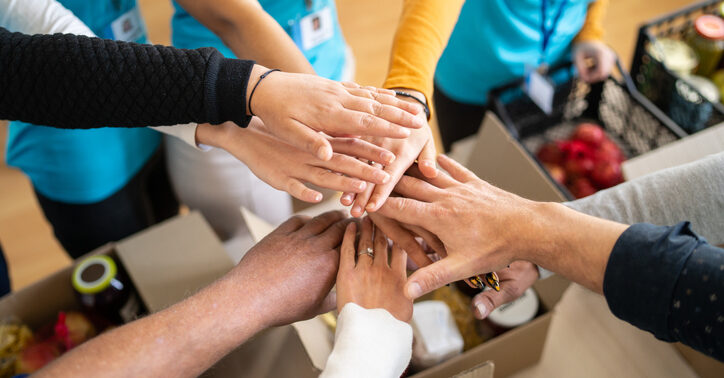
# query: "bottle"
{"type": "Point", "coordinates": [707, 40]}
{"type": "Point", "coordinates": [104, 290]}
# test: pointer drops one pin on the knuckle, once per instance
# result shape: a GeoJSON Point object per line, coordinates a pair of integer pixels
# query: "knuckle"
{"type": "Point", "coordinates": [367, 120]}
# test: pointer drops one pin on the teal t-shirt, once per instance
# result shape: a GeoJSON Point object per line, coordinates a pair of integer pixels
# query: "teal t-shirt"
{"type": "Point", "coordinates": [85, 166]}
{"type": "Point", "coordinates": [494, 40]}
{"type": "Point", "coordinates": [328, 58]}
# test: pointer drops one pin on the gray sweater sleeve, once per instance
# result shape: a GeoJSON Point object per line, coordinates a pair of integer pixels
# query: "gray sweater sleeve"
{"type": "Point", "coordinates": [692, 192]}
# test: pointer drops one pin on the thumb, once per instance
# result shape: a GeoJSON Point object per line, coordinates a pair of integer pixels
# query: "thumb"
{"type": "Point", "coordinates": [487, 301]}
{"type": "Point", "coordinates": [429, 278]}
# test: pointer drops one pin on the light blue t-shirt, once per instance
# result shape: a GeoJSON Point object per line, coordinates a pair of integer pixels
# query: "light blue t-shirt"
{"type": "Point", "coordinates": [494, 40]}
{"type": "Point", "coordinates": [84, 166]}
{"type": "Point", "coordinates": [327, 58]}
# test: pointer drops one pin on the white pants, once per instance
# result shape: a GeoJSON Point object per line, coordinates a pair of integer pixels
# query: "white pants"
{"type": "Point", "coordinates": [217, 184]}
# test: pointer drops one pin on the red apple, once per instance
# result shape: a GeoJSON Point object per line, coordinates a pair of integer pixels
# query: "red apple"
{"type": "Point", "coordinates": [550, 153]}
{"type": "Point", "coordinates": [609, 151]}
{"type": "Point", "coordinates": [607, 174]}
{"type": "Point", "coordinates": [557, 173]}
{"type": "Point", "coordinates": [579, 167]}
{"type": "Point", "coordinates": [589, 133]}
{"type": "Point", "coordinates": [581, 187]}
{"type": "Point", "coordinates": [36, 355]}
{"type": "Point", "coordinates": [575, 149]}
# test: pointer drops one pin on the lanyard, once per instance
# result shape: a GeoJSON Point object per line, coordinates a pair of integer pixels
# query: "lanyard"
{"type": "Point", "coordinates": [309, 4]}
{"type": "Point", "coordinates": [548, 32]}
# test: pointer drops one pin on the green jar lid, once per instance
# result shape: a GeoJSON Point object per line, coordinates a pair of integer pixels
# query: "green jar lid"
{"type": "Point", "coordinates": [94, 274]}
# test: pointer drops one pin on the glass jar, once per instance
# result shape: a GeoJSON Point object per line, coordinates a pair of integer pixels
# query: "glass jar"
{"type": "Point", "coordinates": [104, 290]}
{"type": "Point", "coordinates": [707, 40]}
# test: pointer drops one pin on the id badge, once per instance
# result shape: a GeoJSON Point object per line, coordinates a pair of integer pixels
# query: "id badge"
{"type": "Point", "coordinates": [314, 29]}
{"type": "Point", "coordinates": [128, 27]}
{"type": "Point", "coordinates": [540, 89]}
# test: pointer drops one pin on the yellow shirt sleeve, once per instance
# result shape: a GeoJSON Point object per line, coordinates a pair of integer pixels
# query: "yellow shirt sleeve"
{"type": "Point", "coordinates": [592, 29]}
{"type": "Point", "coordinates": [422, 33]}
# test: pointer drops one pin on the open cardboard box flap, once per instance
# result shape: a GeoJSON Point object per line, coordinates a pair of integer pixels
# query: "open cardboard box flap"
{"type": "Point", "coordinates": [174, 259]}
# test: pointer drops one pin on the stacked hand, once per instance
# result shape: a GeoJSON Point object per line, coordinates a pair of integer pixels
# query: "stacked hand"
{"type": "Point", "coordinates": [594, 60]}
{"type": "Point", "coordinates": [419, 145]}
{"type": "Point", "coordinates": [296, 107]}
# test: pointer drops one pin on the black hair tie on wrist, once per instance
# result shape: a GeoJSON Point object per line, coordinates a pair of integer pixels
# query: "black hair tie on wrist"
{"type": "Point", "coordinates": [265, 74]}
{"type": "Point", "coordinates": [423, 103]}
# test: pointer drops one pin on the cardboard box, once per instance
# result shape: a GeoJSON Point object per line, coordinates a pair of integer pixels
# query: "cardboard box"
{"type": "Point", "coordinates": [317, 339]}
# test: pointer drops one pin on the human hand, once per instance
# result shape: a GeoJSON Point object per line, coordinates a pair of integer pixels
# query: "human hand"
{"type": "Point", "coordinates": [372, 282]}
{"type": "Point", "coordinates": [293, 269]}
{"type": "Point", "coordinates": [594, 60]}
{"type": "Point", "coordinates": [404, 236]}
{"type": "Point", "coordinates": [296, 107]}
{"type": "Point", "coordinates": [287, 168]}
{"type": "Point", "coordinates": [483, 228]}
{"type": "Point", "coordinates": [514, 281]}
{"type": "Point", "coordinates": [420, 145]}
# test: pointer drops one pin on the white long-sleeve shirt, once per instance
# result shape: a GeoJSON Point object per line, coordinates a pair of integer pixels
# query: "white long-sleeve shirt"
{"type": "Point", "coordinates": [50, 17]}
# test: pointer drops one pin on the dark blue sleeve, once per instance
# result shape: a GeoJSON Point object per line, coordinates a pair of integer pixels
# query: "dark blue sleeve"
{"type": "Point", "coordinates": [670, 282]}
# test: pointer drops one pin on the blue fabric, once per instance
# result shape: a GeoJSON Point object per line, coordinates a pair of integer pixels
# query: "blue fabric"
{"type": "Point", "coordinates": [494, 41]}
{"type": "Point", "coordinates": [327, 58]}
{"type": "Point", "coordinates": [82, 166]}
{"type": "Point", "coordinates": [670, 282]}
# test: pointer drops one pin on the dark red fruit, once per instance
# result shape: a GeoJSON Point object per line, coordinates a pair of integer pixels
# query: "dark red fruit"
{"type": "Point", "coordinates": [609, 151]}
{"type": "Point", "coordinates": [581, 187]}
{"type": "Point", "coordinates": [607, 174]}
{"type": "Point", "coordinates": [550, 153]}
{"type": "Point", "coordinates": [579, 166]}
{"type": "Point", "coordinates": [589, 133]}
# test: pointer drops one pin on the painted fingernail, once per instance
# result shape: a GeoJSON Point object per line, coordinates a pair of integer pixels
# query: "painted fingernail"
{"type": "Point", "coordinates": [414, 290]}
{"type": "Point", "coordinates": [382, 176]}
{"type": "Point", "coordinates": [482, 310]}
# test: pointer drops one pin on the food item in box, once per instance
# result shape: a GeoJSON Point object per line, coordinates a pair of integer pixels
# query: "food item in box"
{"type": "Point", "coordinates": [514, 314]}
{"type": "Point", "coordinates": [103, 289]}
{"type": "Point", "coordinates": [461, 307]}
{"type": "Point", "coordinates": [707, 40]}
{"type": "Point", "coordinates": [37, 355]}
{"type": "Point", "coordinates": [436, 337]}
{"type": "Point", "coordinates": [590, 134]}
{"type": "Point", "coordinates": [73, 329]}
{"type": "Point", "coordinates": [551, 153]}
{"type": "Point", "coordinates": [14, 337]}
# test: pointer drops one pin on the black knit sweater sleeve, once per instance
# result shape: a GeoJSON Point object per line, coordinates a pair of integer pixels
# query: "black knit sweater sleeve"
{"type": "Point", "coordinates": [77, 82]}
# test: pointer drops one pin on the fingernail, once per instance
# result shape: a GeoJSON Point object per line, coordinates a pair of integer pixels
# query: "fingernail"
{"type": "Point", "coordinates": [324, 153]}
{"type": "Point", "coordinates": [382, 177]}
{"type": "Point", "coordinates": [405, 132]}
{"type": "Point", "coordinates": [414, 290]}
{"type": "Point", "coordinates": [482, 310]}
{"type": "Point", "coordinates": [371, 206]}
{"type": "Point", "coordinates": [356, 211]}
{"type": "Point", "coordinates": [360, 185]}
{"type": "Point", "coordinates": [388, 157]}
{"type": "Point", "coordinates": [317, 197]}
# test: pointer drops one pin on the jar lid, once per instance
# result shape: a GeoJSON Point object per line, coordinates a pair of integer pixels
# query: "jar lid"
{"type": "Point", "coordinates": [94, 274]}
{"type": "Point", "coordinates": [710, 26]}
{"type": "Point", "coordinates": [518, 312]}
{"type": "Point", "coordinates": [705, 86]}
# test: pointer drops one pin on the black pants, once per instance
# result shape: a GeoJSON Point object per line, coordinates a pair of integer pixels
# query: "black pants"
{"type": "Point", "coordinates": [456, 119]}
{"type": "Point", "coordinates": [4, 275]}
{"type": "Point", "coordinates": [145, 200]}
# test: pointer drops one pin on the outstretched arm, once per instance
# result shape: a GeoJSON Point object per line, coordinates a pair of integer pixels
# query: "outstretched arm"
{"type": "Point", "coordinates": [250, 32]}
{"type": "Point", "coordinates": [187, 338]}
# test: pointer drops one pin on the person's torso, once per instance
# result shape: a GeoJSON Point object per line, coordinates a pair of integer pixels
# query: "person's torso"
{"type": "Point", "coordinates": [494, 40]}
{"type": "Point", "coordinates": [85, 166]}
{"type": "Point", "coordinates": [325, 49]}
